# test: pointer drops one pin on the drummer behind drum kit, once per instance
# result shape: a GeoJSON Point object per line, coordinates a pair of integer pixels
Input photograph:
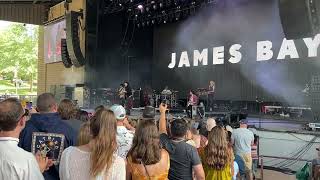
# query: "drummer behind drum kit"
{"type": "Point", "coordinates": [107, 96]}
{"type": "Point", "coordinates": [168, 98]}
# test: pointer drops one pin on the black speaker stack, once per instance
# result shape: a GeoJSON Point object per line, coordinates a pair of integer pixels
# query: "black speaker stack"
{"type": "Point", "coordinates": [71, 50]}
{"type": "Point", "coordinates": [64, 54]}
{"type": "Point", "coordinates": [300, 18]}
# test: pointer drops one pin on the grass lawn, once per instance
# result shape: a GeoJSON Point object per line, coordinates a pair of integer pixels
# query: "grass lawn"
{"type": "Point", "coordinates": [7, 87]}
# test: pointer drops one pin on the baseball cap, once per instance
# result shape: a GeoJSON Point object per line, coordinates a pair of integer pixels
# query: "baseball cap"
{"type": "Point", "coordinates": [229, 128]}
{"type": "Point", "coordinates": [243, 121]}
{"type": "Point", "coordinates": [211, 123]}
{"type": "Point", "coordinates": [119, 111]}
{"type": "Point", "coordinates": [148, 112]}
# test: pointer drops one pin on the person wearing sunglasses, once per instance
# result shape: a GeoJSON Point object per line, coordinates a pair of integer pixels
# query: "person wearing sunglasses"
{"type": "Point", "coordinates": [16, 163]}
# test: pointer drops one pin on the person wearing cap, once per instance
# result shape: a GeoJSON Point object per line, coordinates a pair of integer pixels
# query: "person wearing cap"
{"type": "Point", "coordinates": [211, 123]}
{"type": "Point", "coordinates": [242, 139]}
{"type": "Point", "coordinates": [124, 131]}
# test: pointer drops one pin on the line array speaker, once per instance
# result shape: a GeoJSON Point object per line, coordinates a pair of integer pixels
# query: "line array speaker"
{"type": "Point", "coordinates": [64, 54]}
{"type": "Point", "coordinates": [73, 41]}
{"type": "Point", "coordinates": [300, 18]}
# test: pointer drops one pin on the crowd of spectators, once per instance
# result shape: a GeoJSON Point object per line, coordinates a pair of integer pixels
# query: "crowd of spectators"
{"type": "Point", "coordinates": [61, 142]}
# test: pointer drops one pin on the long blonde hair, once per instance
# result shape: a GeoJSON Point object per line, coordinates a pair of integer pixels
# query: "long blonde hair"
{"type": "Point", "coordinates": [103, 129]}
{"type": "Point", "coordinates": [217, 152]}
{"type": "Point", "coordinates": [84, 134]}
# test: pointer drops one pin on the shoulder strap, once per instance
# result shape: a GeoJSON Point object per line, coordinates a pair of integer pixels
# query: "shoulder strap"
{"type": "Point", "coordinates": [146, 170]}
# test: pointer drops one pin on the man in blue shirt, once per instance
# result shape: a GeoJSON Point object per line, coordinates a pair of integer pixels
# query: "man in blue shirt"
{"type": "Point", "coordinates": [243, 138]}
{"type": "Point", "coordinates": [46, 132]}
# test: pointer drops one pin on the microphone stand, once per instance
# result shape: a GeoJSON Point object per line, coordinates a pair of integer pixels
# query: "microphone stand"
{"type": "Point", "coordinates": [260, 110]}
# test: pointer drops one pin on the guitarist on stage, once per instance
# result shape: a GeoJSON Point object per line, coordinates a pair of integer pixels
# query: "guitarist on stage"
{"type": "Point", "coordinates": [211, 91]}
{"type": "Point", "coordinates": [122, 94]}
{"type": "Point", "coordinates": [128, 97]}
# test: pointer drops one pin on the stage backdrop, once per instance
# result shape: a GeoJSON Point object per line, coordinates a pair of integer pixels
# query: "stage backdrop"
{"type": "Point", "coordinates": [243, 22]}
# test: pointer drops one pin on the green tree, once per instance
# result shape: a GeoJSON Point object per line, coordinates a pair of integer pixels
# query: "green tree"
{"type": "Point", "coordinates": [19, 52]}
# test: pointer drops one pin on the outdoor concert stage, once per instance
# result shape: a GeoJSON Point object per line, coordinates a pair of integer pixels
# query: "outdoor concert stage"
{"type": "Point", "coordinates": [244, 46]}
{"type": "Point", "coordinates": [263, 56]}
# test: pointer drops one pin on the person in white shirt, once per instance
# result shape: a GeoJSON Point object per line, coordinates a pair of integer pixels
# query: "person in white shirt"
{"type": "Point", "coordinates": [96, 160]}
{"type": "Point", "coordinates": [125, 132]}
{"type": "Point", "coordinates": [16, 163]}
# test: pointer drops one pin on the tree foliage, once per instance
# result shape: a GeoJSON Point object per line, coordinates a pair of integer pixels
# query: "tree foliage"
{"type": "Point", "coordinates": [19, 52]}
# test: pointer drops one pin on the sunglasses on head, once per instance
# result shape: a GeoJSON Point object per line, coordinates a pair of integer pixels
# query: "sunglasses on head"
{"type": "Point", "coordinates": [25, 114]}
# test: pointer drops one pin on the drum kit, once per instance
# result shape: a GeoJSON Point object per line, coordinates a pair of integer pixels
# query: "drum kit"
{"type": "Point", "coordinates": [169, 98]}
{"type": "Point", "coordinates": [108, 96]}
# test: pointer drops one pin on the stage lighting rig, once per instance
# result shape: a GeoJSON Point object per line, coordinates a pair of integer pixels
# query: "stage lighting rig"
{"type": "Point", "coordinates": [152, 12]}
{"type": "Point", "coordinates": [174, 10]}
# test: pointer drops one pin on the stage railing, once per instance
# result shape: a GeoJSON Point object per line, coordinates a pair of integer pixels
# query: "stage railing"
{"type": "Point", "coordinates": [277, 157]}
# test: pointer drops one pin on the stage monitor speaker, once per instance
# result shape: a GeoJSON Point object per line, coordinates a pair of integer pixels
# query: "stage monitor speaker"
{"type": "Point", "coordinates": [64, 54]}
{"type": "Point", "coordinates": [299, 18]}
{"type": "Point", "coordinates": [73, 41]}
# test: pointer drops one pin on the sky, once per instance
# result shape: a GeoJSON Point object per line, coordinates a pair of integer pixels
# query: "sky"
{"type": "Point", "coordinates": [4, 24]}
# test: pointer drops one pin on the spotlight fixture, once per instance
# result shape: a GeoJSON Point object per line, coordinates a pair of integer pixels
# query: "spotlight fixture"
{"type": "Point", "coordinates": [140, 6]}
